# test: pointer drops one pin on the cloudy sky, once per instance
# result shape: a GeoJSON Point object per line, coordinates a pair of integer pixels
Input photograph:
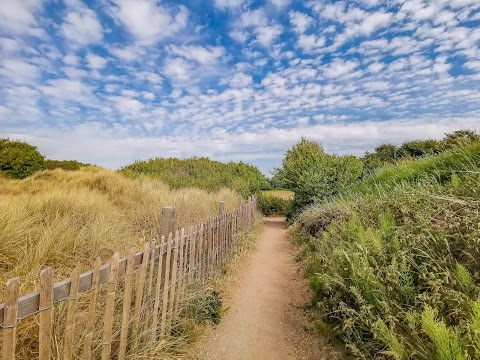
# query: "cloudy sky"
{"type": "Point", "coordinates": [112, 81]}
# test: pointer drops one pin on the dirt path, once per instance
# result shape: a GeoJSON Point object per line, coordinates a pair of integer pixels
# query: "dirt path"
{"type": "Point", "coordinates": [264, 320]}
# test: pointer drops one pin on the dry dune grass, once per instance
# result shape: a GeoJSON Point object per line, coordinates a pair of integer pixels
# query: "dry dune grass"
{"type": "Point", "coordinates": [59, 218]}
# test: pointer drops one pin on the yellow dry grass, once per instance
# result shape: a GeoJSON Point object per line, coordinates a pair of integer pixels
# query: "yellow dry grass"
{"type": "Point", "coordinates": [60, 218]}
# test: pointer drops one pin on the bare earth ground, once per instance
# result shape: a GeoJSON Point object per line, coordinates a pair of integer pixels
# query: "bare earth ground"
{"type": "Point", "coordinates": [265, 320]}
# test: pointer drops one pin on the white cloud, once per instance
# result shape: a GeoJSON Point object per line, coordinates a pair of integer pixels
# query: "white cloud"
{"type": "Point", "coordinates": [19, 17]}
{"type": "Point", "coordinates": [148, 20]}
{"type": "Point", "coordinates": [239, 80]}
{"type": "Point", "coordinates": [19, 71]}
{"type": "Point", "coordinates": [266, 35]}
{"type": "Point", "coordinates": [127, 106]}
{"type": "Point", "coordinates": [96, 62]}
{"type": "Point", "coordinates": [280, 3]}
{"type": "Point", "coordinates": [68, 90]}
{"type": "Point", "coordinates": [128, 53]}
{"type": "Point", "coordinates": [229, 4]}
{"type": "Point", "coordinates": [338, 68]}
{"type": "Point", "coordinates": [310, 42]}
{"type": "Point", "coordinates": [200, 54]}
{"type": "Point", "coordinates": [300, 21]}
{"type": "Point", "coordinates": [81, 25]}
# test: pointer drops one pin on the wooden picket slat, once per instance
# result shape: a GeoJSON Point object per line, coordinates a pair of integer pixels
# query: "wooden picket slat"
{"type": "Point", "coordinates": [173, 282]}
{"type": "Point", "coordinates": [163, 324]}
{"type": "Point", "coordinates": [127, 303]}
{"type": "Point", "coordinates": [109, 308]}
{"type": "Point", "coordinates": [180, 271]}
{"type": "Point", "coordinates": [69, 336]}
{"type": "Point", "coordinates": [90, 322]}
{"type": "Point", "coordinates": [148, 296]}
{"type": "Point", "coordinates": [140, 288]}
{"type": "Point", "coordinates": [158, 289]}
{"type": "Point", "coordinates": [191, 260]}
{"type": "Point", "coordinates": [46, 314]}
{"type": "Point", "coordinates": [10, 319]}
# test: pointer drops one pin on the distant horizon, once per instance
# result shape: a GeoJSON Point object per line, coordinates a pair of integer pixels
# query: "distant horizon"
{"type": "Point", "coordinates": [116, 81]}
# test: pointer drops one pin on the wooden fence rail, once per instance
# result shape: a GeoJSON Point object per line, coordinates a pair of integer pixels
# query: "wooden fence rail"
{"type": "Point", "coordinates": [105, 307]}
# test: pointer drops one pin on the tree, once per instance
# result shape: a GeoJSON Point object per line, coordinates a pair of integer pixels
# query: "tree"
{"type": "Point", "coordinates": [19, 159]}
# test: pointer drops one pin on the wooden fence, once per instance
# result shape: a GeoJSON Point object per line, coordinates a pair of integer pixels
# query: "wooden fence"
{"type": "Point", "coordinates": [117, 308]}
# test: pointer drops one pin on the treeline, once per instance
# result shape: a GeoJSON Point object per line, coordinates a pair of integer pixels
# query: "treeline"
{"type": "Point", "coordinates": [19, 160]}
{"type": "Point", "coordinates": [393, 256]}
{"type": "Point", "coordinates": [201, 173]}
{"type": "Point", "coordinates": [316, 176]}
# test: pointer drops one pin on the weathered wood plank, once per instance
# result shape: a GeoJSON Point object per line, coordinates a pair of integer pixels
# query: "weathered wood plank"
{"type": "Point", "coordinates": [69, 335]}
{"type": "Point", "coordinates": [10, 322]}
{"type": "Point", "coordinates": [90, 322]}
{"type": "Point", "coordinates": [109, 308]}
{"type": "Point", "coordinates": [46, 314]}
{"type": "Point", "coordinates": [127, 302]}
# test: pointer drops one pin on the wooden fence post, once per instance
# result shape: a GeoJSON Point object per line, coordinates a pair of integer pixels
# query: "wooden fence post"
{"type": "Point", "coordinates": [221, 208]}
{"type": "Point", "coordinates": [10, 319]}
{"type": "Point", "coordinates": [168, 221]}
{"type": "Point", "coordinates": [46, 314]}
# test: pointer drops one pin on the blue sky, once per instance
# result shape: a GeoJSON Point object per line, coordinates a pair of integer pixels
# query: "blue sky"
{"type": "Point", "coordinates": [112, 81]}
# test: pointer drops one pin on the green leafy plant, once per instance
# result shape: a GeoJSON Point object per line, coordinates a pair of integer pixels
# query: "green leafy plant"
{"type": "Point", "coordinates": [19, 159]}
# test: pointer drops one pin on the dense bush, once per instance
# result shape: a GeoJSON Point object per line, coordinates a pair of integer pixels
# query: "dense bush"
{"type": "Point", "coordinates": [273, 205]}
{"type": "Point", "coordinates": [315, 176]}
{"type": "Point", "coordinates": [202, 173]}
{"type": "Point", "coordinates": [387, 154]}
{"type": "Point", "coordinates": [19, 159]}
{"type": "Point", "coordinates": [394, 270]}
{"type": "Point", "coordinates": [64, 164]}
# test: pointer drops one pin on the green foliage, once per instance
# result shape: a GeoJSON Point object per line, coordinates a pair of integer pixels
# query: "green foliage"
{"type": "Point", "coordinates": [313, 175]}
{"type": "Point", "coordinates": [394, 265]}
{"type": "Point", "coordinates": [273, 205]}
{"type": "Point", "coordinates": [64, 164]}
{"type": "Point", "coordinates": [387, 154]}
{"type": "Point", "coordinates": [201, 173]}
{"type": "Point", "coordinates": [446, 341]}
{"type": "Point", "coordinates": [444, 167]}
{"type": "Point", "coordinates": [19, 159]}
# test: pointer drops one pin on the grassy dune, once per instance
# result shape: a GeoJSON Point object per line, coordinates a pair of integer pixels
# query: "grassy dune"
{"type": "Point", "coordinates": [59, 218]}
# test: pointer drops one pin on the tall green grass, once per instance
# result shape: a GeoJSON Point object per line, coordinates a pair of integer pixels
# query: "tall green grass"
{"type": "Point", "coordinates": [394, 265]}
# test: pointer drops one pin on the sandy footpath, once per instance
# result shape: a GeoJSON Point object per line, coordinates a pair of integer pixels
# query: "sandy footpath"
{"type": "Point", "coordinates": [264, 320]}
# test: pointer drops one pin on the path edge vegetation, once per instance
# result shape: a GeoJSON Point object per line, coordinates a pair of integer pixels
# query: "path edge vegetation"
{"type": "Point", "coordinates": [393, 257]}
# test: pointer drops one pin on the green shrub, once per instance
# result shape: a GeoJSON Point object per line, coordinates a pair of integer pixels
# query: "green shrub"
{"type": "Point", "coordinates": [388, 154]}
{"type": "Point", "coordinates": [202, 173]}
{"type": "Point", "coordinates": [273, 205]}
{"type": "Point", "coordinates": [19, 159]}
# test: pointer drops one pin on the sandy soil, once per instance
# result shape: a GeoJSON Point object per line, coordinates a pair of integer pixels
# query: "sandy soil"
{"type": "Point", "coordinates": [265, 320]}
